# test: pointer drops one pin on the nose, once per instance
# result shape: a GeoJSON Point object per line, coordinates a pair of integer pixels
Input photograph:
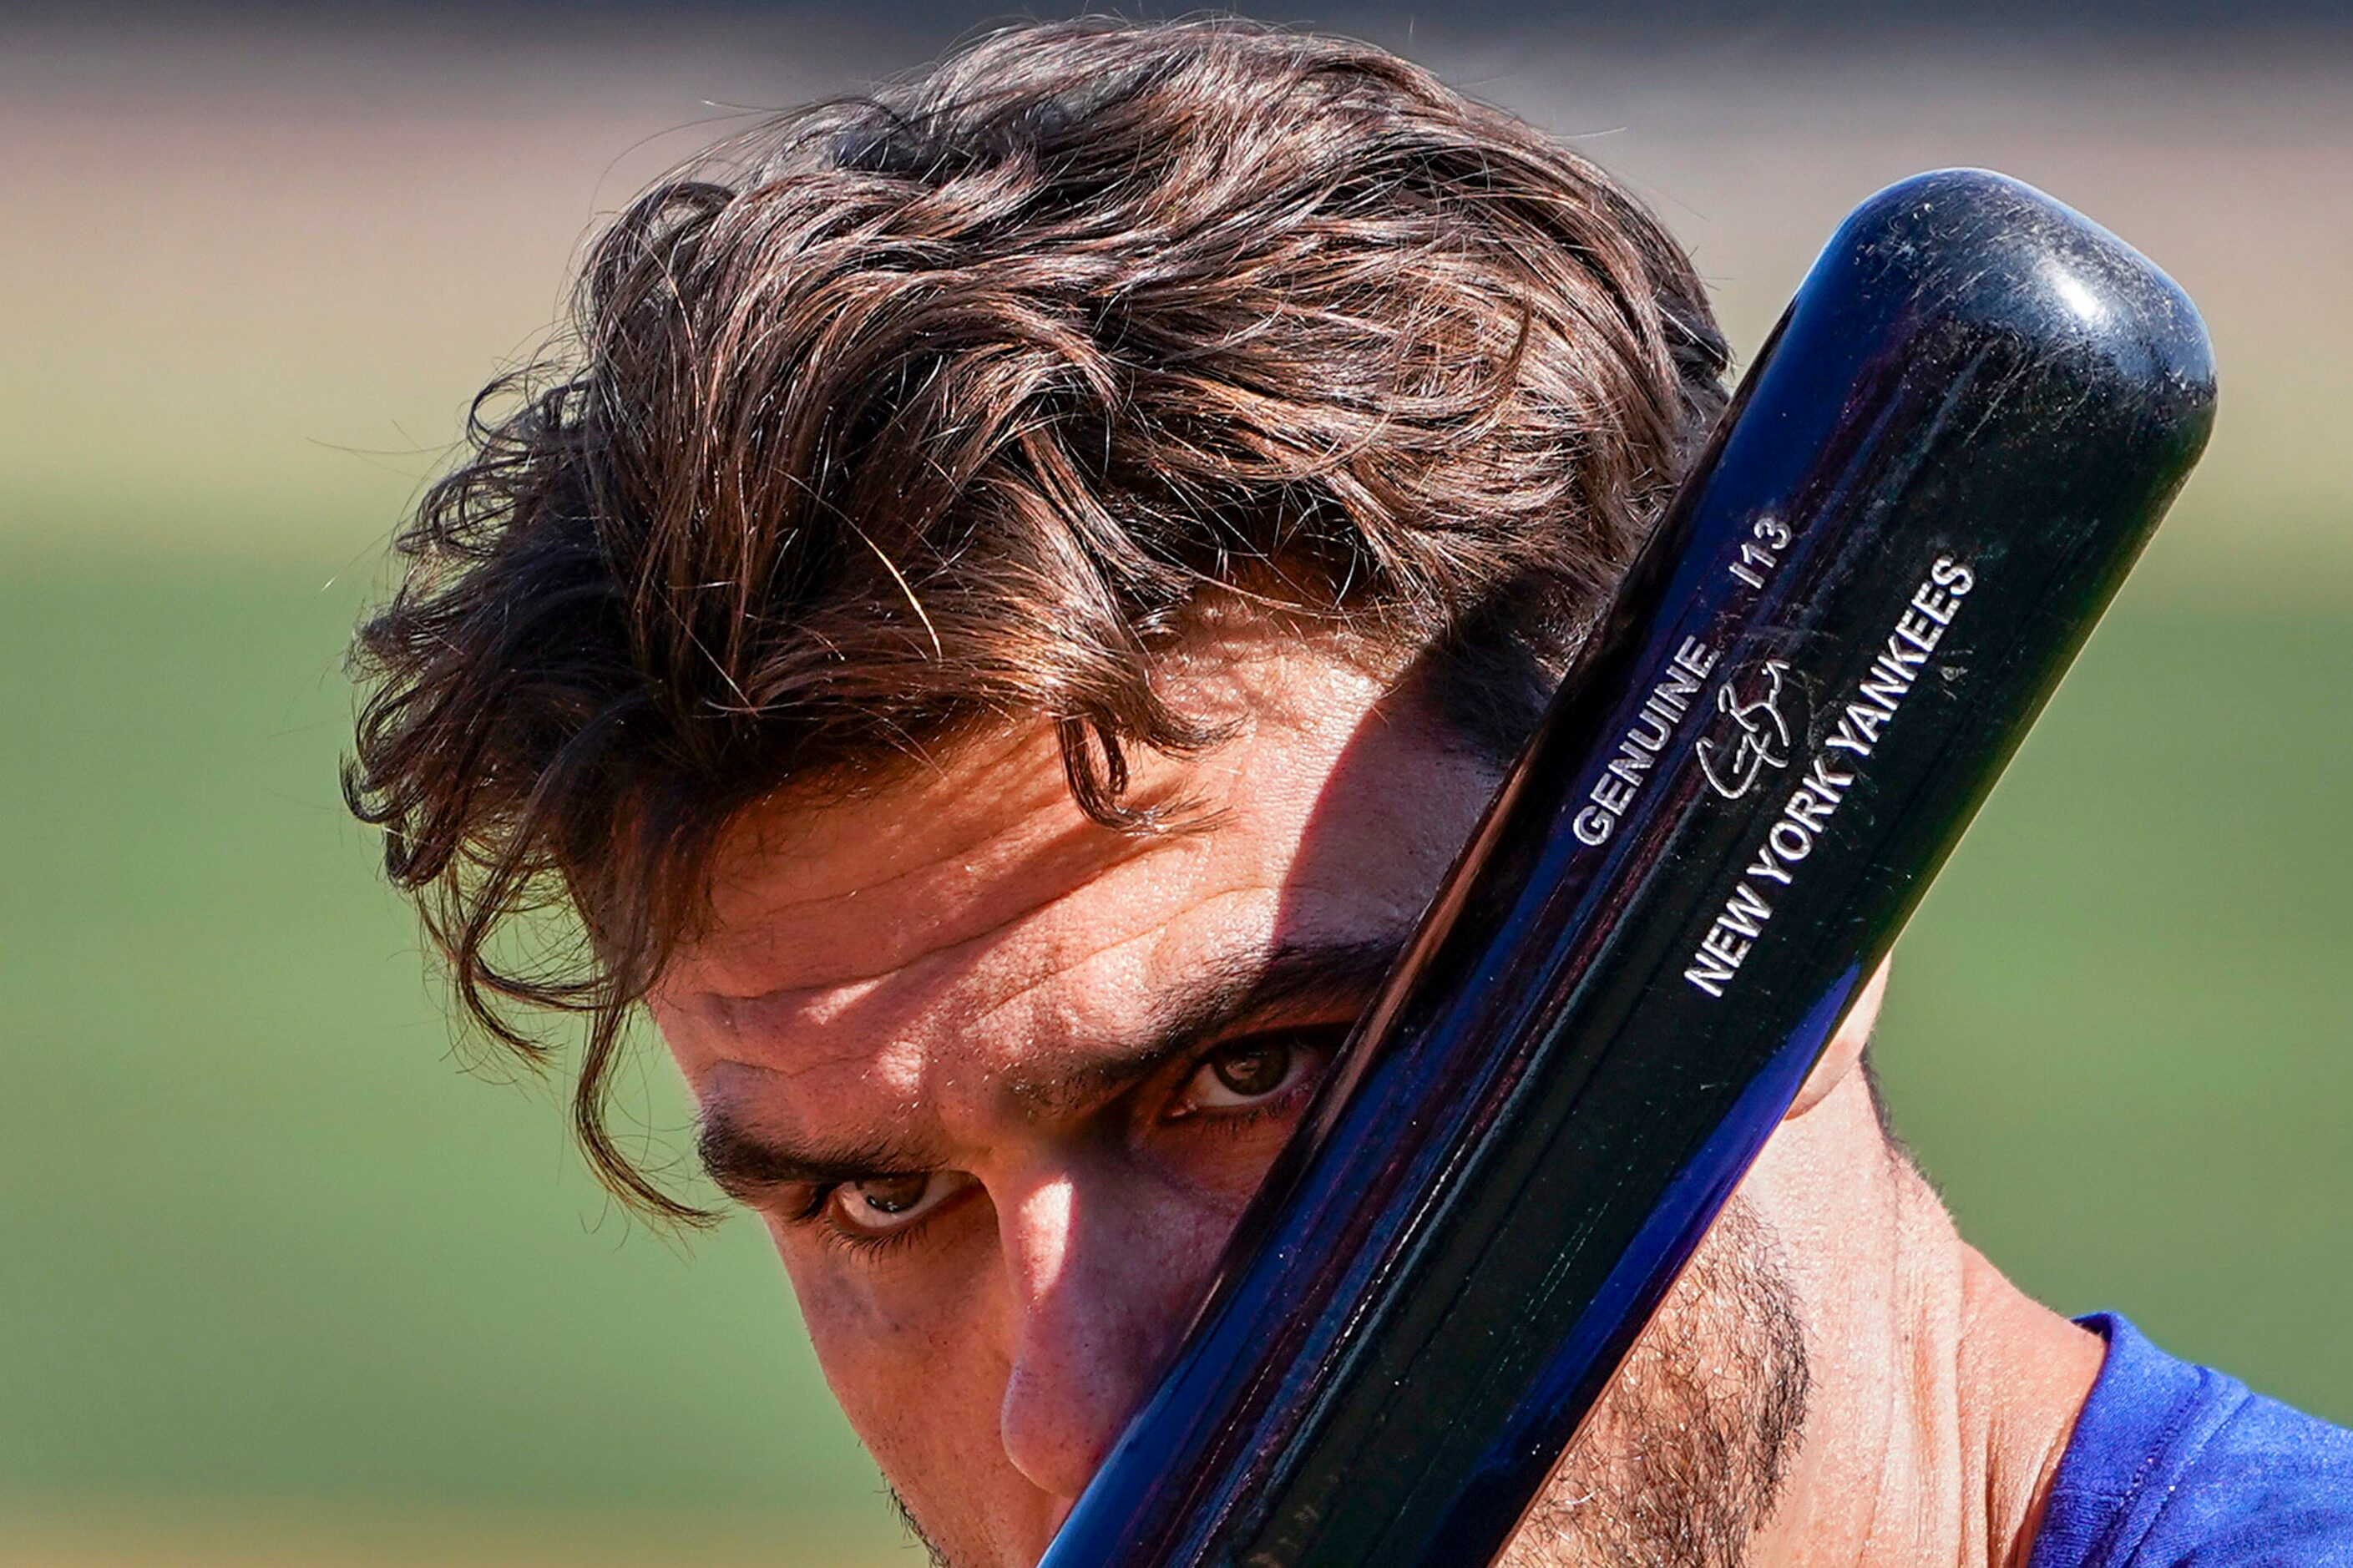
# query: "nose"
{"type": "Point", "coordinates": [1101, 1278]}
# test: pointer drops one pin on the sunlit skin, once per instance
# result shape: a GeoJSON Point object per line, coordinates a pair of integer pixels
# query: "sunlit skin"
{"type": "Point", "coordinates": [998, 1080]}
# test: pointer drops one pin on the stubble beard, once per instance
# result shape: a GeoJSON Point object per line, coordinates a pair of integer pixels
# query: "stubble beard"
{"type": "Point", "coordinates": [1685, 1457]}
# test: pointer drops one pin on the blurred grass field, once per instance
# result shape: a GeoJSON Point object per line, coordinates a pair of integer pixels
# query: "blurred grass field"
{"type": "Point", "coordinates": [283, 1284]}
{"type": "Point", "coordinates": [265, 1243]}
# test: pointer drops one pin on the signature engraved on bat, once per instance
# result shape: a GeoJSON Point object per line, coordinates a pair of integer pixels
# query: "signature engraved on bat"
{"type": "Point", "coordinates": [1763, 738]}
{"type": "Point", "coordinates": [1790, 839]}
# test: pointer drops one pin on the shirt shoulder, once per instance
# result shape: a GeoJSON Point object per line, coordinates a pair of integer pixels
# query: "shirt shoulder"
{"type": "Point", "coordinates": [2176, 1465]}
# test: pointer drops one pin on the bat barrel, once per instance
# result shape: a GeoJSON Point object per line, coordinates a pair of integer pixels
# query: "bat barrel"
{"type": "Point", "coordinates": [1943, 462]}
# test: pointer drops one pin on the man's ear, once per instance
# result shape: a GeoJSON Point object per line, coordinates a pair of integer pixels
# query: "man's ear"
{"type": "Point", "coordinates": [1845, 1051]}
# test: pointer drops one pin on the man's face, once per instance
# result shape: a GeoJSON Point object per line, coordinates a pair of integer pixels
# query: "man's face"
{"type": "Point", "coordinates": [999, 1081]}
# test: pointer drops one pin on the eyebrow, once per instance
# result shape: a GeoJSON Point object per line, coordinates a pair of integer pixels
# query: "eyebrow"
{"type": "Point", "coordinates": [1232, 993]}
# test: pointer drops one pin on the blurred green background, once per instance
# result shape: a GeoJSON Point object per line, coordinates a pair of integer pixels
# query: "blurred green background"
{"type": "Point", "coordinates": [279, 1281]}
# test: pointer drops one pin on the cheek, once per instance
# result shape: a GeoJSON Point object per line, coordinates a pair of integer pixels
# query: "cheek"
{"type": "Point", "coordinates": [869, 1315]}
{"type": "Point", "coordinates": [912, 1350]}
{"type": "Point", "coordinates": [1217, 1171]}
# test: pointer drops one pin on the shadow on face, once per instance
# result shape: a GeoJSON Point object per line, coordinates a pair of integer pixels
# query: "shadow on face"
{"type": "Point", "coordinates": [999, 1081]}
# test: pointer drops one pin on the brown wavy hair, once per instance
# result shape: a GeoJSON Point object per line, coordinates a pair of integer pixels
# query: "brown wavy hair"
{"type": "Point", "coordinates": [956, 401]}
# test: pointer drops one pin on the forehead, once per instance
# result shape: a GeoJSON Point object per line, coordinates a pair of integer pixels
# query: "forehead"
{"type": "Point", "coordinates": [972, 911]}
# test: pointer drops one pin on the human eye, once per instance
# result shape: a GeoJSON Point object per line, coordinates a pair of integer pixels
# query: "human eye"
{"type": "Point", "coordinates": [1256, 1074]}
{"type": "Point", "coordinates": [880, 1208]}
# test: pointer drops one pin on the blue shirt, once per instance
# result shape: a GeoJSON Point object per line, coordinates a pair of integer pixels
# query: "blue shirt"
{"type": "Point", "coordinates": [2175, 1466]}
